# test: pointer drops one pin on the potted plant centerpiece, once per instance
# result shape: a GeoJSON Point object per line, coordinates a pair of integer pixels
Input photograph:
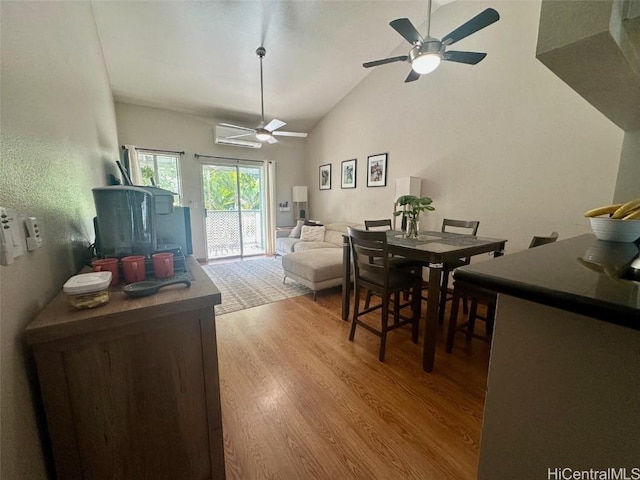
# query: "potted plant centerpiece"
{"type": "Point", "coordinates": [410, 208]}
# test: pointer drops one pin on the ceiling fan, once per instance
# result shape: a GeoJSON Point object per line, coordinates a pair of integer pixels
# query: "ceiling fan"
{"type": "Point", "coordinates": [264, 133]}
{"type": "Point", "coordinates": [428, 52]}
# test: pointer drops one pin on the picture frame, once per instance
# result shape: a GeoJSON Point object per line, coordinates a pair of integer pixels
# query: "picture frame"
{"type": "Point", "coordinates": [325, 177]}
{"type": "Point", "coordinates": [377, 170]}
{"type": "Point", "coordinates": [348, 174]}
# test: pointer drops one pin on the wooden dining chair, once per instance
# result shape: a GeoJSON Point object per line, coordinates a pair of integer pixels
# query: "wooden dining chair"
{"type": "Point", "coordinates": [413, 266]}
{"type": "Point", "coordinates": [467, 227]}
{"type": "Point", "coordinates": [479, 296]}
{"type": "Point", "coordinates": [372, 271]}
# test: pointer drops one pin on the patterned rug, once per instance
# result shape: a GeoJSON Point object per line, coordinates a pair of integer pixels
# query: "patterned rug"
{"type": "Point", "coordinates": [249, 283]}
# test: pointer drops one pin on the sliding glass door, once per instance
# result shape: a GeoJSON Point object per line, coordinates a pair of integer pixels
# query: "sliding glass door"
{"type": "Point", "coordinates": [234, 200]}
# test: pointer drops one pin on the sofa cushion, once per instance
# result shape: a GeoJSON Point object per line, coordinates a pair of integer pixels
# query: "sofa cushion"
{"type": "Point", "coordinates": [312, 234]}
{"type": "Point", "coordinates": [286, 245]}
{"type": "Point", "coordinates": [295, 232]}
{"type": "Point", "coordinates": [317, 266]}
{"type": "Point", "coordinates": [303, 246]}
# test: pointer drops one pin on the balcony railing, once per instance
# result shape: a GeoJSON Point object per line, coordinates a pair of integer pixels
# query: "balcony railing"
{"type": "Point", "coordinates": [223, 233]}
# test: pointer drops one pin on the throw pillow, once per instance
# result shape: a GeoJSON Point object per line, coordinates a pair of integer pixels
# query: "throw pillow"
{"type": "Point", "coordinates": [312, 234]}
{"type": "Point", "coordinates": [295, 232]}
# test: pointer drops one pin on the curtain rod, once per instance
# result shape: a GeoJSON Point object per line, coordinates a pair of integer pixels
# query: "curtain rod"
{"type": "Point", "coordinates": [154, 150]}
{"type": "Point", "coordinates": [197, 155]}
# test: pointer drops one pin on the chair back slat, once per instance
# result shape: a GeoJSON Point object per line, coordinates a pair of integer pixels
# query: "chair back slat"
{"type": "Point", "coordinates": [471, 225]}
{"type": "Point", "coordinates": [379, 225]}
{"type": "Point", "coordinates": [370, 253]}
{"type": "Point", "coordinates": [536, 241]}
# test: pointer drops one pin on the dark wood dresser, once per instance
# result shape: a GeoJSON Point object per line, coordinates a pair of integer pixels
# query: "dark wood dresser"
{"type": "Point", "coordinates": [130, 388]}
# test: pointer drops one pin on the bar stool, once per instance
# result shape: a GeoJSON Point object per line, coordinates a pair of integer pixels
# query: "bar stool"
{"type": "Point", "coordinates": [479, 295]}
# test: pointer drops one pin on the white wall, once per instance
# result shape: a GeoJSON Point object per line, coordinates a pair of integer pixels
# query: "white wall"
{"type": "Point", "coordinates": [164, 129]}
{"type": "Point", "coordinates": [58, 141]}
{"type": "Point", "coordinates": [505, 142]}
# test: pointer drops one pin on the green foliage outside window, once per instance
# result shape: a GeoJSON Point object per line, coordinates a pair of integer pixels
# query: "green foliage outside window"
{"type": "Point", "coordinates": [220, 186]}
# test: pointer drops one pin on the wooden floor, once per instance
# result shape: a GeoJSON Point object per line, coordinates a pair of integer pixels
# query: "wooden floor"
{"type": "Point", "coordinates": [299, 401]}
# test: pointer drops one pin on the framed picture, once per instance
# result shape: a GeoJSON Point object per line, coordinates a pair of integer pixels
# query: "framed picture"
{"type": "Point", "coordinates": [348, 174]}
{"type": "Point", "coordinates": [325, 177]}
{"type": "Point", "coordinates": [377, 170]}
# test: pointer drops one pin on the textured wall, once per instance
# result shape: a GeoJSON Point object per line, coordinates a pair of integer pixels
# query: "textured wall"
{"type": "Point", "coordinates": [58, 140]}
{"type": "Point", "coordinates": [505, 142]}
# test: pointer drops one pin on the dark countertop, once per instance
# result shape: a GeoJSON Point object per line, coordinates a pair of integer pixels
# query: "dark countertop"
{"type": "Point", "coordinates": [580, 274]}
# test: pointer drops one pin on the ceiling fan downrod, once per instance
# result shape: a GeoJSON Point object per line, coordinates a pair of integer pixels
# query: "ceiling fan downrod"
{"type": "Point", "coordinates": [261, 52]}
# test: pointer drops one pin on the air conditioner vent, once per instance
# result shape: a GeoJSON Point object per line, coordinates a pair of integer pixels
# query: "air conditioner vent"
{"type": "Point", "coordinates": [223, 133]}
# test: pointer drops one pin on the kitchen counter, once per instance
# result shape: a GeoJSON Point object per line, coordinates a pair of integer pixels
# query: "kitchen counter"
{"type": "Point", "coordinates": [581, 275]}
{"type": "Point", "coordinates": [564, 374]}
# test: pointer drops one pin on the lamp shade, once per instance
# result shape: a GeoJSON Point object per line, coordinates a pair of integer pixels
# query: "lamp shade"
{"type": "Point", "coordinates": [408, 186]}
{"type": "Point", "coordinates": [299, 194]}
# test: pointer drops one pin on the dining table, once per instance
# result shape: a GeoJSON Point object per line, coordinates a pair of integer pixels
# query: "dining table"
{"type": "Point", "coordinates": [434, 249]}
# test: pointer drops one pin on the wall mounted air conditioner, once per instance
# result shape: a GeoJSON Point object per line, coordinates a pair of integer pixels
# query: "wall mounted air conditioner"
{"type": "Point", "coordinates": [222, 134]}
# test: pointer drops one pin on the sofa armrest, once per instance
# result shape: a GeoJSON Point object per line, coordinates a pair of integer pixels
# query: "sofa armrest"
{"type": "Point", "coordinates": [283, 232]}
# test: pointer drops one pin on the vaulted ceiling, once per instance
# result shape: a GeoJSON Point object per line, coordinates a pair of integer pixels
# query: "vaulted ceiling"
{"type": "Point", "coordinates": [199, 56]}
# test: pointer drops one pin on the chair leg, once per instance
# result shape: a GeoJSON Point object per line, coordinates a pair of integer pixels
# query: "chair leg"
{"type": "Point", "coordinates": [367, 300]}
{"type": "Point", "coordinates": [471, 323]}
{"type": "Point", "coordinates": [396, 307]}
{"type": "Point", "coordinates": [491, 317]}
{"type": "Point", "coordinates": [453, 320]}
{"type": "Point", "coordinates": [416, 301]}
{"type": "Point", "coordinates": [385, 327]}
{"type": "Point", "coordinates": [356, 310]}
{"type": "Point", "coordinates": [443, 295]}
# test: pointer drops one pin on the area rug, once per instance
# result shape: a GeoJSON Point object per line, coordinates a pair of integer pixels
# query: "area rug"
{"type": "Point", "coordinates": [249, 283]}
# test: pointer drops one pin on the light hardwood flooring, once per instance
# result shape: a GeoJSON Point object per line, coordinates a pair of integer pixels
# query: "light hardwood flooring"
{"type": "Point", "coordinates": [300, 401]}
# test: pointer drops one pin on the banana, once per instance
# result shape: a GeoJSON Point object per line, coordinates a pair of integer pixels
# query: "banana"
{"type": "Point", "coordinates": [609, 209]}
{"type": "Point", "coordinates": [634, 215]}
{"type": "Point", "coordinates": [626, 208]}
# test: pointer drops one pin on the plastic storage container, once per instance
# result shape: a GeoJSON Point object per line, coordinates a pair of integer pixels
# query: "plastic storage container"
{"type": "Point", "coordinates": [88, 290]}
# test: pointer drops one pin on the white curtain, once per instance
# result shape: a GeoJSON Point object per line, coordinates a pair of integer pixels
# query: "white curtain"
{"type": "Point", "coordinates": [270, 207]}
{"type": "Point", "coordinates": [135, 173]}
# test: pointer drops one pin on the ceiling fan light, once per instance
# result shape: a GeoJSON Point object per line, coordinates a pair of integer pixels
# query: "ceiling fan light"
{"type": "Point", "coordinates": [426, 63]}
{"type": "Point", "coordinates": [263, 135]}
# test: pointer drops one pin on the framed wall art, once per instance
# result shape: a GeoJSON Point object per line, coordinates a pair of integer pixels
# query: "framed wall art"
{"type": "Point", "coordinates": [348, 175]}
{"type": "Point", "coordinates": [377, 170]}
{"type": "Point", "coordinates": [325, 177]}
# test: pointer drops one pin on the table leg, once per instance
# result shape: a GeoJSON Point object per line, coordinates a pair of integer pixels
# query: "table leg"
{"type": "Point", "coordinates": [346, 278]}
{"type": "Point", "coordinates": [431, 325]}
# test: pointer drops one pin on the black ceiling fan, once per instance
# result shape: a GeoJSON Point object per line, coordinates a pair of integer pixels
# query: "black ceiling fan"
{"type": "Point", "coordinates": [428, 52]}
{"type": "Point", "coordinates": [264, 133]}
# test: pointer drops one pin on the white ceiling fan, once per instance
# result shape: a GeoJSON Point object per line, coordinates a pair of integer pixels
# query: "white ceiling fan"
{"type": "Point", "coordinates": [264, 133]}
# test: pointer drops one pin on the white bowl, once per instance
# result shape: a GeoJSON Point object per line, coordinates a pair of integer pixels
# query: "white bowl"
{"type": "Point", "coordinates": [615, 230]}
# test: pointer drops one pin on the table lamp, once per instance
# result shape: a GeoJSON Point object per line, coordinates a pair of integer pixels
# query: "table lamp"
{"type": "Point", "coordinates": [299, 195]}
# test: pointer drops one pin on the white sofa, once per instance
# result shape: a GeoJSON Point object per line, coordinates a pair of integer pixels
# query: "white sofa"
{"type": "Point", "coordinates": [315, 264]}
{"type": "Point", "coordinates": [332, 239]}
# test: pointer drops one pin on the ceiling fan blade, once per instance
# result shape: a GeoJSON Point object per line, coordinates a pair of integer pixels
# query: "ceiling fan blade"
{"type": "Point", "coordinates": [229, 125]}
{"type": "Point", "coordinates": [243, 135]}
{"type": "Point", "coordinates": [289, 134]}
{"type": "Point", "coordinates": [483, 19]}
{"type": "Point", "coordinates": [470, 58]}
{"type": "Point", "coordinates": [272, 139]}
{"type": "Point", "coordinates": [412, 77]}
{"type": "Point", "coordinates": [405, 28]}
{"type": "Point", "coordinates": [274, 125]}
{"type": "Point", "coordinates": [375, 63]}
